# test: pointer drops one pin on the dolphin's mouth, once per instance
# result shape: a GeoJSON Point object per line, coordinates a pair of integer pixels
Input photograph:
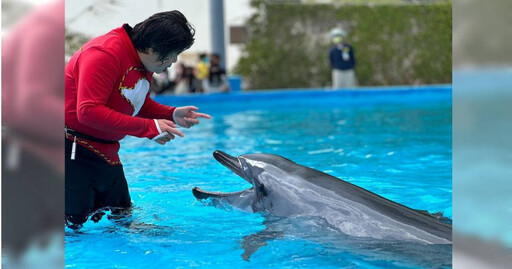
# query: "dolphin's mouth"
{"type": "Point", "coordinates": [233, 164]}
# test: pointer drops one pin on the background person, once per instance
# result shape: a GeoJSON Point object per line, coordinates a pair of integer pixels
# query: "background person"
{"type": "Point", "coordinates": [217, 80]}
{"type": "Point", "coordinates": [181, 80]}
{"type": "Point", "coordinates": [201, 72]}
{"type": "Point", "coordinates": [341, 57]}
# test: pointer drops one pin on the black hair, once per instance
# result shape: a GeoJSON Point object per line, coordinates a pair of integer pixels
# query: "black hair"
{"type": "Point", "coordinates": [164, 32]}
{"type": "Point", "coordinates": [202, 56]}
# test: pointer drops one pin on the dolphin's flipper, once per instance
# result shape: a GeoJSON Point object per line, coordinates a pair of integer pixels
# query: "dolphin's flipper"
{"type": "Point", "coordinates": [253, 242]}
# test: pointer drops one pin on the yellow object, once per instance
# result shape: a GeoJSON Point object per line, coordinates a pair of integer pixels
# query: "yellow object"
{"type": "Point", "coordinates": [201, 70]}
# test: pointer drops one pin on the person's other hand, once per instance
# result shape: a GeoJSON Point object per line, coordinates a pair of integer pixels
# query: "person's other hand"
{"type": "Point", "coordinates": [169, 128]}
{"type": "Point", "coordinates": [186, 116]}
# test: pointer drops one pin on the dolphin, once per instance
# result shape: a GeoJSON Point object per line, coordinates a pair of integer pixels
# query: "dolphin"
{"type": "Point", "coordinates": [283, 188]}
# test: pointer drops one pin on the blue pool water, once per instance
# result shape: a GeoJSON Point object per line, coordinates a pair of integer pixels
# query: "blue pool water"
{"type": "Point", "coordinates": [394, 142]}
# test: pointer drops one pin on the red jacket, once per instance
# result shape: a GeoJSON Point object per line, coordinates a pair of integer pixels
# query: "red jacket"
{"type": "Point", "coordinates": [107, 94]}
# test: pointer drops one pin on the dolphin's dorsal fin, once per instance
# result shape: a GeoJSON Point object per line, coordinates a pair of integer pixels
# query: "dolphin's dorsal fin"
{"type": "Point", "coordinates": [437, 215]}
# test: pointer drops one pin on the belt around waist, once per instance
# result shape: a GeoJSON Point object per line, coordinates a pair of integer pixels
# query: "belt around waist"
{"type": "Point", "coordinates": [88, 137]}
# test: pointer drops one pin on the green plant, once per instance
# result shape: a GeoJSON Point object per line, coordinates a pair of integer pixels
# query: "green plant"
{"type": "Point", "coordinates": [394, 44]}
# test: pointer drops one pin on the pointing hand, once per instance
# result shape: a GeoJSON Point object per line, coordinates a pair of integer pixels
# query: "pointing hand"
{"type": "Point", "coordinates": [186, 116]}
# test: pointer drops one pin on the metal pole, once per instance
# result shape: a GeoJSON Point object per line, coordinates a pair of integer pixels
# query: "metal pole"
{"type": "Point", "coordinates": [217, 29]}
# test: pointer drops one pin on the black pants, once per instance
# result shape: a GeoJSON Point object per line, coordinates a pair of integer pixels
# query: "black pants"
{"type": "Point", "coordinates": [91, 184]}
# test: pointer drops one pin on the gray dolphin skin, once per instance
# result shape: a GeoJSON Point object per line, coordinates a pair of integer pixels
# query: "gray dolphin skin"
{"type": "Point", "coordinates": [283, 188]}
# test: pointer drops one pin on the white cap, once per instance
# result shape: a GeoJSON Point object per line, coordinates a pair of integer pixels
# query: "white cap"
{"type": "Point", "coordinates": [337, 32]}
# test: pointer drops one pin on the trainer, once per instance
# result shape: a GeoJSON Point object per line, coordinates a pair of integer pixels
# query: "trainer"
{"type": "Point", "coordinates": [107, 97]}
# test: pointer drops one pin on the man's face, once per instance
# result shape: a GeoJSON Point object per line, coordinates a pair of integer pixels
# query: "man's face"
{"type": "Point", "coordinates": [154, 63]}
{"type": "Point", "coordinates": [215, 60]}
{"type": "Point", "coordinates": [337, 40]}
